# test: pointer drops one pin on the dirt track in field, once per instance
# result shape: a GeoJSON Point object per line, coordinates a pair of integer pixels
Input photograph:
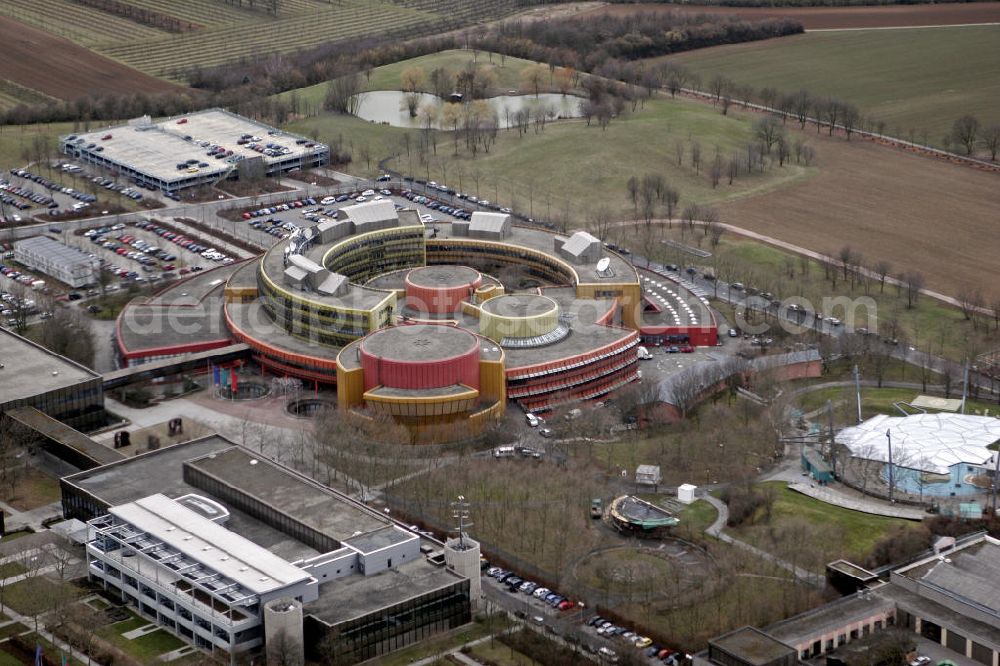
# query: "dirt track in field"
{"type": "Point", "coordinates": [64, 70]}
{"type": "Point", "coordinates": [816, 18]}
{"type": "Point", "coordinates": [919, 214]}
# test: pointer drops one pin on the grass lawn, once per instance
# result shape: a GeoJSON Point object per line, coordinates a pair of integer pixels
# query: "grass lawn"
{"type": "Point", "coordinates": [696, 518]}
{"type": "Point", "coordinates": [880, 401]}
{"type": "Point", "coordinates": [7, 659]}
{"type": "Point", "coordinates": [507, 75]}
{"type": "Point", "coordinates": [12, 629]}
{"type": "Point", "coordinates": [36, 595]}
{"type": "Point", "coordinates": [48, 649]}
{"type": "Point", "coordinates": [145, 648]}
{"type": "Point", "coordinates": [15, 140]}
{"type": "Point", "coordinates": [98, 604]}
{"type": "Point", "coordinates": [10, 536]}
{"type": "Point", "coordinates": [500, 654]}
{"type": "Point", "coordinates": [919, 79]}
{"type": "Point", "coordinates": [569, 168]}
{"type": "Point", "coordinates": [852, 534]}
{"type": "Point", "coordinates": [33, 489]}
{"type": "Point", "coordinates": [11, 569]}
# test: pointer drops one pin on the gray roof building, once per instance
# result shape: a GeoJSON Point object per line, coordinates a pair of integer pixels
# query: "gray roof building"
{"type": "Point", "coordinates": [66, 264]}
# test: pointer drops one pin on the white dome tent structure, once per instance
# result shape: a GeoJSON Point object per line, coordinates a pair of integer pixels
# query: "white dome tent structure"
{"type": "Point", "coordinates": [931, 454]}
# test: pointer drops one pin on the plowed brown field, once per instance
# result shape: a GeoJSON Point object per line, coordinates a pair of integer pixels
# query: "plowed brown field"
{"type": "Point", "coordinates": [58, 67]}
{"type": "Point", "coordinates": [918, 213]}
{"type": "Point", "coordinates": [815, 18]}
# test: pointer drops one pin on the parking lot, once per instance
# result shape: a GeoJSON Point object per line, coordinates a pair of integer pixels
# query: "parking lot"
{"type": "Point", "coordinates": [573, 621]}
{"type": "Point", "coordinates": [148, 251]}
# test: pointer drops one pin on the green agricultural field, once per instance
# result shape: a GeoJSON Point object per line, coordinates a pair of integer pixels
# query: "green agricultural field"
{"type": "Point", "coordinates": [916, 79]}
{"type": "Point", "coordinates": [569, 169]}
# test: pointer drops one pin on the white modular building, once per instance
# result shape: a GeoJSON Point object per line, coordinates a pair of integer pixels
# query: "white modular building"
{"type": "Point", "coordinates": [64, 263]}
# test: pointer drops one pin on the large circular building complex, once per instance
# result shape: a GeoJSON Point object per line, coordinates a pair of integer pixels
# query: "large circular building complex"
{"type": "Point", "coordinates": [435, 326]}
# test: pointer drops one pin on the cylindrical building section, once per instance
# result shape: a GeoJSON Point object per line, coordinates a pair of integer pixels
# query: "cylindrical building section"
{"type": "Point", "coordinates": [518, 316]}
{"type": "Point", "coordinates": [420, 356]}
{"type": "Point", "coordinates": [440, 289]}
{"type": "Point", "coordinates": [283, 639]}
{"type": "Point", "coordinates": [462, 555]}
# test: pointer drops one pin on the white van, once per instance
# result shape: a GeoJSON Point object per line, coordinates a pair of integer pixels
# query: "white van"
{"type": "Point", "coordinates": [503, 452]}
{"type": "Point", "coordinates": [643, 354]}
{"type": "Point", "coordinates": [531, 419]}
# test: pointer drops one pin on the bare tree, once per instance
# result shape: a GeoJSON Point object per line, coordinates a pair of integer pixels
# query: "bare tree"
{"type": "Point", "coordinates": [714, 230]}
{"type": "Point", "coordinates": [965, 130]}
{"type": "Point", "coordinates": [913, 282]}
{"type": "Point", "coordinates": [343, 94]}
{"type": "Point", "coordinates": [882, 268]}
{"type": "Point", "coordinates": [633, 192]}
{"type": "Point", "coordinates": [601, 221]}
{"type": "Point", "coordinates": [768, 130]}
{"type": "Point", "coordinates": [991, 141]}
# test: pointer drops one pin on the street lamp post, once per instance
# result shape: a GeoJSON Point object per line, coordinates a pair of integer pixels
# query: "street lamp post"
{"type": "Point", "coordinates": [888, 437]}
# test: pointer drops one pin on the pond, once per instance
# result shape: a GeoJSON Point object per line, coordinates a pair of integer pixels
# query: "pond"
{"type": "Point", "coordinates": [388, 106]}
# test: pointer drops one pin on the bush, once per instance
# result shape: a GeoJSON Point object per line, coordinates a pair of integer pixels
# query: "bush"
{"type": "Point", "coordinates": [744, 502]}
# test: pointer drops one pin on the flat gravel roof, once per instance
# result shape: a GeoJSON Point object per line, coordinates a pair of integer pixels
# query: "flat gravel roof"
{"type": "Point", "coordinates": [303, 499]}
{"type": "Point", "coordinates": [419, 343]}
{"type": "Point", "coordinates": [27, 369]}
{"type": "Point", "coordinates": [519, 305]}
{"type": "Point", "coordinates": [442, 277]}
{"type": "Point", "coordinates": [186, 313]}
{"type": "Point", "coordinates": [356, 596]}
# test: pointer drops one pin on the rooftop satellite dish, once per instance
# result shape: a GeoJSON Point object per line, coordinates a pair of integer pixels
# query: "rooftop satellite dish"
{"type": "Point", "coordinates": [604, 264]}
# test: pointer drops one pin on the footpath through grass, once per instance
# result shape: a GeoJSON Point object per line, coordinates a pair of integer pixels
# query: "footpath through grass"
{"type": "Point", "coordinates": [913, 79]}
{"type": "Point", "coordinates": [845, 533]}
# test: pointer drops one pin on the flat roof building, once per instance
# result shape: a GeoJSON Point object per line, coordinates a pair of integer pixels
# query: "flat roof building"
{"type": "Point", "coordinates": [33, 376]}
{"type": "Point", "coordinates": [948, 597]}
{"type": "Point", "coordinates": [194, 149]}
{"type": "Point", "coordinates": [200, 536]}
{"type": "Point", "coordinates": [66, 264]}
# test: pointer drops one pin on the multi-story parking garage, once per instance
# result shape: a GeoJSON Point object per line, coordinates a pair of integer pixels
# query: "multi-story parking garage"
{"type": "Point", "coordinates": [194, 149]}
{"type": "Point", "coordinates": [437, 325]}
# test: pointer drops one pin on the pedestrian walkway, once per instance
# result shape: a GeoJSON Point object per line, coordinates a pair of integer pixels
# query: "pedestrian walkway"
{"type": "Point", "coordinates": [140, 632]}
{"type": "Point", "coordinates": [715, 530]}
{"type": "Point", "coordinates": [32, 519]}
{"type": "Point", "coordinates": [865, 505]}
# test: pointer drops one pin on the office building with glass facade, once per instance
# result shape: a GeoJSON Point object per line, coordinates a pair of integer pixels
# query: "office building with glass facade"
{"type": "Point", "coordinates": [32, 376]}
{"type": "Point", "coordinates": [199, 537]}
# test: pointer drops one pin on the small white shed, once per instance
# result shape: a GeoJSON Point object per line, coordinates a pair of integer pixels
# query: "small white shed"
{"type": "Point", "coordinates": [685, 493]}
